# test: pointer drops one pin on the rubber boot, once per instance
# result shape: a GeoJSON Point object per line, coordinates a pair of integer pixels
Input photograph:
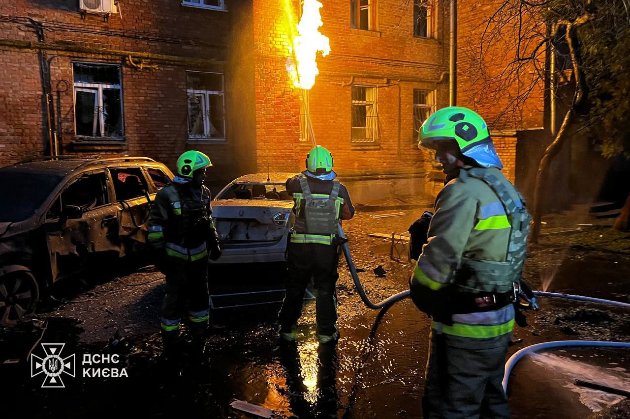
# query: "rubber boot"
{"type": "Point", "coordinates": [197, 349]}
{"type": "Point", "coordinates": [171, 351]}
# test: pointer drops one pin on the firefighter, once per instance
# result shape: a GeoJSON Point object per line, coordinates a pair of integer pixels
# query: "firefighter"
{"type": "Point", "coordinates": [182, 233]}
{"type": "Point", "coordinates": [313, 249]}
{"type": "Point", "coordinates": [466, 276]}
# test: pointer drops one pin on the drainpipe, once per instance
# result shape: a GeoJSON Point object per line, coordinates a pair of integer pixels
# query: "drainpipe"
{"type": "Point", "coordinates": [453, 55]}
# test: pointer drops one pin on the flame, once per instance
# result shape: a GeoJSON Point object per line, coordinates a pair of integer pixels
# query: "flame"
{"type": "Point", "coordinates": [306, 44]}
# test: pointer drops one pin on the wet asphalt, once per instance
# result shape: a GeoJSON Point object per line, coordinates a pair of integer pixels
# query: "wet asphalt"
{"type": "Point", "coordinates": [375, 371]}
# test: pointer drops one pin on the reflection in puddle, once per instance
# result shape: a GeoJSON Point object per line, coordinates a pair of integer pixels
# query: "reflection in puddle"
{"type": "Point", "coordinates": [571, 370]}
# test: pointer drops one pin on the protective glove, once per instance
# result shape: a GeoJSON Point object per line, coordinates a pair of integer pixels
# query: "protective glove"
{"type": "Point", "coordinates": [214, 245]}
{"type": "Point", "coordinates": [436, 304]}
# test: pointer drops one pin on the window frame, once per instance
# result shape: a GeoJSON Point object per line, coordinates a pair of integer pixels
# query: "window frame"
{"type": "Point", "coordinates": [97, 89]}
{"type": "Point", "coordinates": [375, 138]}
{"type": "Point", "coordinates": [355, 14]}
{"type": "Point", "coordinates": [206, 109]}
{"type": "Point", "coordinates": [189, 3]}
{"type": "Point", "coordinates": [431, 20]}
{"type": "Point", "coordinates": [431, 106]}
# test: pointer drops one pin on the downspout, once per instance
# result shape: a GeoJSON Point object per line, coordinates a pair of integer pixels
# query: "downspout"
{"type": "Point", "coordinates": [453, 55]}
{"type": "Point", "coordinates": [44, 69]}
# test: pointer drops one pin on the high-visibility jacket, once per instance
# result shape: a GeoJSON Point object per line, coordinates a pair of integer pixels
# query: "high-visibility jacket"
{"type": "Point", "coordinates": [180, 221]}
{"type": "Point", "coordinates": [469, 249]}
{"type": "Point", "coordinates": [317, 209]}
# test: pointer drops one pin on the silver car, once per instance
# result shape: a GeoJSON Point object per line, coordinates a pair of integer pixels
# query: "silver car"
{"type": "Point", "coordinates": [253, 215]}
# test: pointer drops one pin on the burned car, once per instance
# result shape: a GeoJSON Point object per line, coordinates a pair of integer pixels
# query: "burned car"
{"type": "Point", "coordinates": [59, 215]}
{"type": "Point", "coordinates": [253, 216]}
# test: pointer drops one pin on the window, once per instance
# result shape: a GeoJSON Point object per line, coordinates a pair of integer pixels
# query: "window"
{"type": "Point", "coordinates": [205, 4]}
{"type": "Point", "coordinates": [128, 183]}
{"type": "Point", "coordinates": [159, 178]}
{"type": "Point", "coordinates": [364, 115]}
{"type": "Point", "coordinates": [88, 192]}
{"type": "Point", "coordinates": [423, 106]}
{"type": "Point", "coordinates": [363, 14]}
{"type": "Point", "coordinates": [98, 100]}
{"type": "Point", "coordinates": [206, 117]}
{"type": "Point", "coordinates": [423, 25]}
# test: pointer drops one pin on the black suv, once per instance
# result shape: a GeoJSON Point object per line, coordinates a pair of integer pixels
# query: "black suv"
{"type": "Point", "coordinates": [58, 215]}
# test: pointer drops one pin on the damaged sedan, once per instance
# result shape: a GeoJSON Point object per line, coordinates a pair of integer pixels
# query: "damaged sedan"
{"type": "Point", "coordinates": [253, 216]}
{"type": "Point", "coordinates": [57, 216]}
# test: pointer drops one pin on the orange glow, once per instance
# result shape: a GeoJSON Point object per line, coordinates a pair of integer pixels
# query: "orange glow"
{"type": "Point", "coordinates": [306, 45]}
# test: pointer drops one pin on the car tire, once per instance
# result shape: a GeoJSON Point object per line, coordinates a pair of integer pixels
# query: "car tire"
{"type": "Point", "coordinates": [19, 295]}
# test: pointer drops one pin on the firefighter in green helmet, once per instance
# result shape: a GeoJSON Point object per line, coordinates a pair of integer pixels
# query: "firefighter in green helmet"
{"type": "Point", "coordinates": [320, 203]}
{"type": "Point", "coordinates": [466, 276]}
{"type": "Point", "coordinates": [182, 233]}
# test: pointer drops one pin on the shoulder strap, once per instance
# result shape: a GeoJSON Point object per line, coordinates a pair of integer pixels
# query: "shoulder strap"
{"type": "Point", "coordinates": [306, 191]}
{"type": "Point", "coordinates": [335, 190]}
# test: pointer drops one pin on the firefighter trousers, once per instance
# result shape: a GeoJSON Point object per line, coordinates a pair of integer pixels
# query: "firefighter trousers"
{"type": "Point", "coordinates": [463, 378]}
{"type": "Point", "coordinates": [306, 261]}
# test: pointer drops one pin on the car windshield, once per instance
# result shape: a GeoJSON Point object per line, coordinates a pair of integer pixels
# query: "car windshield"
{"type": "Point", "coordinates": [23, 192]}
{"type": "Point", "coordinates": [262, 191]}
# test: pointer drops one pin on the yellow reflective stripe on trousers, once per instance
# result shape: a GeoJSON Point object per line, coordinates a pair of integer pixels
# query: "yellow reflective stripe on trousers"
{"type": "Point", "coordinates": [474, 331]}
{"type": "Point", "coordinates": [496, 222]}
{"type": "Point", "coordinates": [311, 238]}
{"type": "Point", "coordinates": [423, 279]}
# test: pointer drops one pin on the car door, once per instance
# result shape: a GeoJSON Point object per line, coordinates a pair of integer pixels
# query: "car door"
{"type": "Point", "coordinates": [82, 222]}
{"type": "Point", "coordinates": [131, 192]}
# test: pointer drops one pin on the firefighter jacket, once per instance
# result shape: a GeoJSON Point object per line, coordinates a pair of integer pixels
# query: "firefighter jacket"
{"type": "Point", "coordinates": [318, 209]}
{"type": "Point", "coordinates": [180, 222]}
{"type": "Point", "coordinates": [473, 249]}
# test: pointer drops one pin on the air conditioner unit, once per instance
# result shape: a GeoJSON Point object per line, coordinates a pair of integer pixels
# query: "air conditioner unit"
{"type": "Point", "coordinates": [98, 6]}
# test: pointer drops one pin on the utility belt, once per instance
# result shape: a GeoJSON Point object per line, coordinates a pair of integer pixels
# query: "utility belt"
{"type": "Point", "coordinates": [483, 301]}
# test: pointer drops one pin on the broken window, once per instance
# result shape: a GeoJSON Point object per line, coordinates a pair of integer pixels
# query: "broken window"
{"type": "Point", "coordinates": [129, 183]}
{"type": "Point", "coordinates": [159, 178]}
{"type": "Point", "coordinates": [206, 116]}
{"type": "Point", "coordinates": [363, 14]}
{"type": "Point", "coordinates": [423, 107]}
{"type": "Point", "coordinates": [423, 22]}
{"type": "Point", "coordinates": [364, 115]}
{"type": "Point", "coordinates": [98, 100]}
{"type": "Point", "coordinates": [205, 4]}
{"type": "Point", "coordinates": [87, 192]}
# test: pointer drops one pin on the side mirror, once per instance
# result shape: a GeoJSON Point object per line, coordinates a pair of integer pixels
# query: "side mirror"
{"type": "Point", "coordinates": [72, 211]}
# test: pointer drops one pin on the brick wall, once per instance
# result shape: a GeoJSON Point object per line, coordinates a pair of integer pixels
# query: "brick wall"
{"type": "Point", "coordinates": [389, 58]}
{"type": "Point", "coordinates": [167, 36]}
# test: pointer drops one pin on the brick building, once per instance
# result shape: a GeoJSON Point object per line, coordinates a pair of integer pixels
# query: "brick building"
{"type": "Point", "coordinates": [156, 78]}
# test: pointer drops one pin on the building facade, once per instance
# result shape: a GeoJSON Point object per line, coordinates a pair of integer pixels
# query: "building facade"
{"type": "Point", "coordinates": [156, 78]}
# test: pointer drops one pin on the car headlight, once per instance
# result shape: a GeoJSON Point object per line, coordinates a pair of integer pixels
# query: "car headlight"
{"type": "Point", "coordinates": [281, 218]}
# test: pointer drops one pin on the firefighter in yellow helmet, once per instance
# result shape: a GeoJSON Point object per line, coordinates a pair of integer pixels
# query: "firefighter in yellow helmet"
{"type": "Point", "coordinates": [469, 270]}
{"type": "Point", "coordinates": [320, 203]}
{"type": "Point", "coordinates": [182, 233]}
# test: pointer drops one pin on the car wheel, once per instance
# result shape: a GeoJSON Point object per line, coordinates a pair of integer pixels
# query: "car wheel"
{"type": "Point", "coordinates": [19, 294]}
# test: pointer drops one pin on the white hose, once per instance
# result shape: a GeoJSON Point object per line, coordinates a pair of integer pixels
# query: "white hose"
{"type": "Point", "coordinates": [511, 363]}
{"type": "Point", "coordinates": [581, 298]}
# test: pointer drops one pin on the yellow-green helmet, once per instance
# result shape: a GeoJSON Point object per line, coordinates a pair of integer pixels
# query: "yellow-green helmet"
{"type": "Point", "coordinates": [319, 163]}
{"type": "Point", "coordinates": [466, 128]}
{"type": "Point", "coordinates": [190, 161]}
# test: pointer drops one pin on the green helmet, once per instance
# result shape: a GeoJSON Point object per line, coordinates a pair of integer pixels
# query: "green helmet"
{"type": "Point", "coordinates": [190, 161]}
{"type": "Point", "coordinates": [319, 163]}
{"type": "Point", "coordinates": [466, 128]}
